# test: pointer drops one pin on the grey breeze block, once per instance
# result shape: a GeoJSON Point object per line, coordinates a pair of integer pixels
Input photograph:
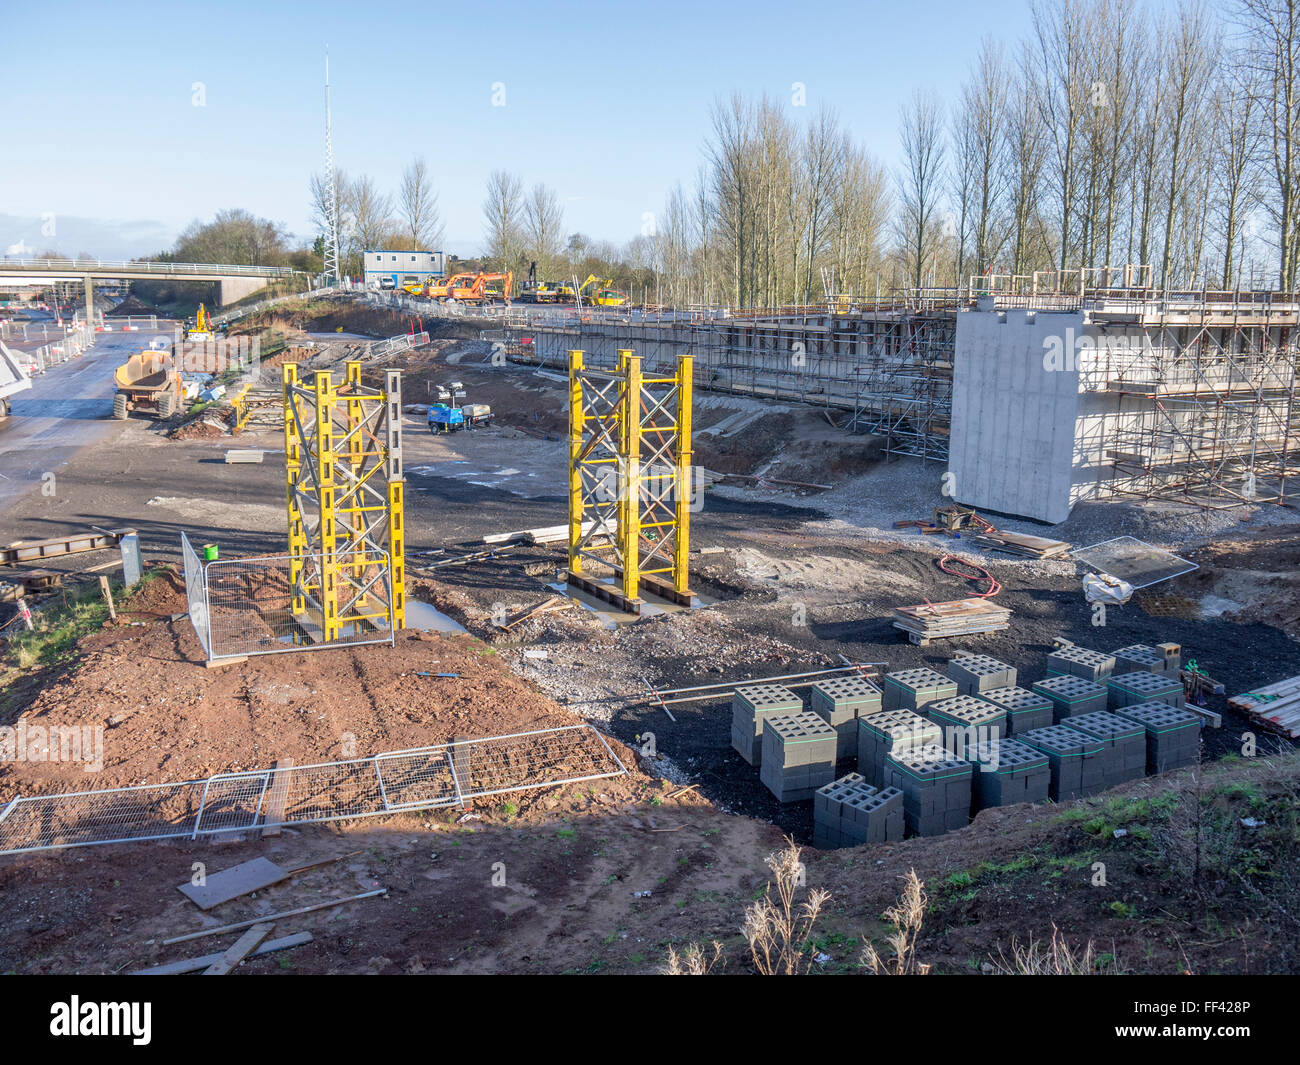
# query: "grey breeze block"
{"type": "Point", "coordinates": [1025, 709]}
{"type": "Point", "coordinates": [888, 730]}
{"type": "Point", "coordinates": [849, 812]}
{"type": "Point", "coordinates": [976, 674]}
{"type": "Point", "coordinates": [798, 755]}
{"type": "Point", "coordinates": [1007, 772]}
{"type": "Point", "coordinates": [840, 701]}
{"type": "Point", "coordinates": [1077, 760]}
{"type": "Point", "coordinates": [1080, 662]}
{"type": "Point", "coordinates": [1125, 740]}
{"type": "Point", "coordinates": [1133, 689]}
{"type": "Point", "coordinates": [750, 707]}
{"type": "Point", "coordinates": [936, 787]}
{"type": "Point", "coordinates": [1173, 735]}
{"type": "Point", "coordinates": [1070, 695]}
{"type": "Point", "coordinates": [1166, 658]}
{"type": "Point", "coordinates": [972, 718]}
{"type": "Point", "coordinates": [911, 689]}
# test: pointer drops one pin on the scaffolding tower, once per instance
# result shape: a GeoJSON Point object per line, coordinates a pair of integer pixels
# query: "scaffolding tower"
{"type": "Point", "coordinates": [630, 481]}
{"type": "Point", "coordinates": [1206, 409]}
{"type": "Point", "coordinates": [345, 497]}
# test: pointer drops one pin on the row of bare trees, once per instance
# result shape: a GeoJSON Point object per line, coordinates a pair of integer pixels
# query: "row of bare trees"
{"type": "Point", "coordinates": [369, 217]}
{"type": "Point", "coordinates": [1113, 133]}
{"type": "Point", "coordinates": [1116, 134]}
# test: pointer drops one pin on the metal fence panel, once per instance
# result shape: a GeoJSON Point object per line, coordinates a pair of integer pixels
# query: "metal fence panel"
{"type": "Point", "coordinates": [194, 594]}
{"type": "Point", "coordinates": [423, 778]}
{"type": "Point", "coordinates": [255, 606]}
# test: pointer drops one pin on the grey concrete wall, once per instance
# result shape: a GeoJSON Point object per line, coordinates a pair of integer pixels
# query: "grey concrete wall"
{"type": "Point", "coordinates": [1014, 414]}
{"type": "Point", "coordinates": [232, 289]}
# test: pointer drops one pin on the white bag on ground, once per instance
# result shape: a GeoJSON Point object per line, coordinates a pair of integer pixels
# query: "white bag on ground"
{"type": "Point", "coordinates": [1103, 588]}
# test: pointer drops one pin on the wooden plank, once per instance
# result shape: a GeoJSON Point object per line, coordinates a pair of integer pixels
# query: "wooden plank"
{"type": "Point", "coordinates": [239, 951]}
{"type": "Point", "coordinates": [278, 796]}
{"type": "Point", "coordinates": [193, 965]}
{"type": "Point", "coordinates": [230, 883]}
{"type": "Point", "coordinates": [253, 875]}
{"type": "Point", "coordinates": [203, 933]}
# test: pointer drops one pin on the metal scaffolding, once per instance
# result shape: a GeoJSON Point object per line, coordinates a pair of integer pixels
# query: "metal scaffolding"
{"type": "Point", "coordinates": [344, 493]}
{"type": "Point", "coordinates": [1206, 409]}
{"type": "Point", "coordinates": [630, 480]}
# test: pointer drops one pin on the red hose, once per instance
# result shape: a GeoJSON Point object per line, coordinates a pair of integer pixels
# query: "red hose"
{"type": "Point", "coordinates": [980, 574]}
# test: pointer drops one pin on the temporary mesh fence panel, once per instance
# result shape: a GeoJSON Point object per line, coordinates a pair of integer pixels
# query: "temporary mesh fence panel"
{"type": "Point", "coordinates": [274, 603]}
{"type": "Point", "coordinates": [1133, 561]}
{"type": "Point", "coordinates": [194, 594]}
{"type": "Point", "coordinates": [423, 778]}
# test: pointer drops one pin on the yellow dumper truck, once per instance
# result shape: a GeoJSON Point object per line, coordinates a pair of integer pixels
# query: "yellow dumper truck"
{"type": "Point", "coordinates": [148, 381]}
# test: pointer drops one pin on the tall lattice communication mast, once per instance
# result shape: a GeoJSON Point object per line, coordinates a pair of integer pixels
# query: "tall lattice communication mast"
{"type": "Point", "coordinates": [331, 192]}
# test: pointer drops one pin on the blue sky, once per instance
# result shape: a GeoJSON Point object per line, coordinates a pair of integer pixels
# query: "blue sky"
{"type": "Point", "coordinates": [607, 103]}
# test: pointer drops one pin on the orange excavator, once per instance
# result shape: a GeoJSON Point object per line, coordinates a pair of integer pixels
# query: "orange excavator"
{"type": "Point", "coordinates": [440, 289]}
{"type": "Point", "coordinates": [484, 288]}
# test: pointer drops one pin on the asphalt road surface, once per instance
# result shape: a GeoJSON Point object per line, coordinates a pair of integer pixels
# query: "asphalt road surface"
{"type": "Point", "coordinates": [67, 408]}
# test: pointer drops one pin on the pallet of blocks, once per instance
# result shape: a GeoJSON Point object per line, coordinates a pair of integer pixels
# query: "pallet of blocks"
{"type": "Point", "coordinates": [1275, 706]}
{"type": "Point", "coordinates": [962, 617]}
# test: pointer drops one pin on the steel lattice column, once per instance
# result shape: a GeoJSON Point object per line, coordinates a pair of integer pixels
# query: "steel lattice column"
{"type": "Point", "coordinates": [629, 480]}
{"type": "Point", "coordinates": [345, 500]}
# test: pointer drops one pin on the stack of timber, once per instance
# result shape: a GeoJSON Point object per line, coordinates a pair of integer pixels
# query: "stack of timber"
{"type": "Point", "coordinates": [1276, 706]}
{"type": "Point", "coordinates": [1023, 546]}
{"type": "Point", "coordinates": [963, 617]}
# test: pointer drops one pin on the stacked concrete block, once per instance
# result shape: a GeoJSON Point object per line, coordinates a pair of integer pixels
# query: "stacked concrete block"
{"type": "Point", "coordinates": [750, 707]}
{"type": "Point", "coordinates": [798, 755]}
{"type": "Point", "coordinates": [1133, 689]}
{"type": "Point", "coordinates": [1007, 772]}
{"type": "Point", "coordinates": [849, 812]}
{"type": "Point", "coordinates": [911, 689]}
{"type": "Point", "coordinates": [1166, 658]}
{"type": "Point", "coordinates": [840, 701]}
{"type": "Point", "coordinates": [1125, 741]}
{"type": "Point", "coordinates": [971, 720]}
{"type": "Point", "coordinates": [936, 787]}
{"type": "Point", "coordinates": [1071, 661]}
{"type": "Point", "coordinates": [1070, 695]}
{"type": "Point", "coordinates": [1173, 736]}
{"type": "Point", "coordinates": [1077, 760]}
{"type": "Point", "coordinates": [890, 730]}
{"type": "Point", "coordinates": [1025, 709]}
{"type": "Point", "coordinates": [976, 674]}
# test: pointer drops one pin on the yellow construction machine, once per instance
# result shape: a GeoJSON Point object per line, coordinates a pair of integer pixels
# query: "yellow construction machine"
{"type": "Point", "coordinates": [148, 381]}
{"type": "Point", "coordinates": [602, 292]}
{"type": "Point", "coordinates": [202, 330]}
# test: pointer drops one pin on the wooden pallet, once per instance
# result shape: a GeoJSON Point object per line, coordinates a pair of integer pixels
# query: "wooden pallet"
{"type": "Point", "coordinates": [962, 617]}
{"type": "Point", "coordinates": [1274, 706]}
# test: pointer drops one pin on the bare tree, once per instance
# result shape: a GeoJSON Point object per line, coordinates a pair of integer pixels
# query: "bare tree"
{"type": "Point", "coordinates": [980, 141]}
{"type": "Point", "coordinates": [920, 182]}
{"type": "Point", "coordinates": [1236, 154]}
{"type": "Point", "coordinates": [418, 204]}
{"type": "Point", "coordinates": [502, 213]}
{"type": "Point", "coordinates": [1190, 68]}
{"type": "Point", "coordinates": [1026, 156]}
{"type": "Point", "coordinates": [1271, 30]}
{"type": "Point", "coordinates": [1060, 56]}
{"type": "Point", "coordinates": [543, 225]}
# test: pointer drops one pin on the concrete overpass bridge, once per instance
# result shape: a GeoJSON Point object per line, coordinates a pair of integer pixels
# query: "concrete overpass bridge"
{"type": "Point", "coordinates": [233, 282]}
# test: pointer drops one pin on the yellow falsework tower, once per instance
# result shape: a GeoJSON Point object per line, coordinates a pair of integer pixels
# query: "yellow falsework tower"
{"type": "Point", "coordinates": [630, 481]}
{"type": "Point", "coordinates": [344, 494]}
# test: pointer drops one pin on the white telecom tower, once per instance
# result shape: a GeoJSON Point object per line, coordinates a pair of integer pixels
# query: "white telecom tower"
{"type": "Point", "coordinates": [331, 193]}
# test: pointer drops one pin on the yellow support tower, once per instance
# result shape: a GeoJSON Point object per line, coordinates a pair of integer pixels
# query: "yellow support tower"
{"type": "Point", "coordinates": [345, 494]}
{"type": "Point", "coordinates": [629, 480]}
